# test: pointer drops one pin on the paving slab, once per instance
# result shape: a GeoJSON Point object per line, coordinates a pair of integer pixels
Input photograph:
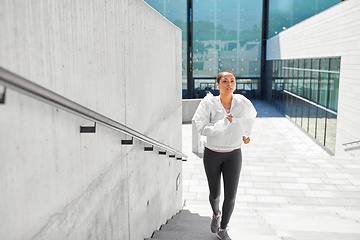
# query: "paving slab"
{"type": "Point", "coordinates": [290, 187]}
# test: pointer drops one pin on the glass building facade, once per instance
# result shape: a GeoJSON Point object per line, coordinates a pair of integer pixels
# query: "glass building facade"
{"type": "Point", "coordinates": [231, 35]}
{"type": "Point", "coordinates": [227, 34]}
{"type": "Point", "coordinates": [307, 91]}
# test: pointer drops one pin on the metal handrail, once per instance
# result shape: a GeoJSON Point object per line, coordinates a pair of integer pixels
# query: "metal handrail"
{"type": "Point", "coordinates": [352, 148]}
{"type": "Point", "coordinates": [350, 143]}
{"type": "Point", "coordinates": [20, 84]}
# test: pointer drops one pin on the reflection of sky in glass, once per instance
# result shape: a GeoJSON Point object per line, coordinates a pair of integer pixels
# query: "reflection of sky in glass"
{"type": "Point", "coordinates": [232, 14]}
{"type": "Point", "coordinates": [172, 10]}
{"type": "Point", "coordinates": [279, 4]}
{"type": "Point", "coordinates": [286, 13]}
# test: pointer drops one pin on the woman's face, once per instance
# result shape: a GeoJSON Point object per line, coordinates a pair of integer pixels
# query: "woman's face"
{"type": "Point", "coordinates": [227, 84]}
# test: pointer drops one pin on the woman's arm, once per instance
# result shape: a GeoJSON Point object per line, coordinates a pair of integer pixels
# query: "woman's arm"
{"type": "Point", "coordinates": [203, 124]}
{"type": "Point", "coordinates": [250, 115]}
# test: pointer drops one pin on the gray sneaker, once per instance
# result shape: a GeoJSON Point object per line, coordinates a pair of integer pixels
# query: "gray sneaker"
{"type": "Point", "coordinates": [223, 235]}
{"type": "Point", "coordinates": [215, 223]}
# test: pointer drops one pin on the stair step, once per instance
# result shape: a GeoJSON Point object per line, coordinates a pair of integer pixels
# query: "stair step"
{"type": "Point", "coordinates": [190, 222]}
{"type": "Point", "coordinates": [189, 218]}
{"type": "Point", "coordinates": [184, 235]}
{"type": "Point", "coordinates": [185, 214]}
{"type": "Point", "coordinates": [180, 226]}
{"type": "Point", "coordinates": [185, 225]}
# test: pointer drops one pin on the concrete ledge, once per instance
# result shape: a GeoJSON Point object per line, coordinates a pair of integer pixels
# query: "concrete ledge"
{"type": "Point", "coordinates": [189, 107]}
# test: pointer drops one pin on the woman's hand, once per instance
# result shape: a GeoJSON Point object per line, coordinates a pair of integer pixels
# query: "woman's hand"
{"type": "Point", "coordinates": [229, 117]}
{"type": "Point", "coordinates": [246, 139]}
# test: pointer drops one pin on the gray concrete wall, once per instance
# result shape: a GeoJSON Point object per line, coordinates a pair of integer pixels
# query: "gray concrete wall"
{"type": "Point", "coordinates": [189, 107]}
{"type": "Point", "coordinates": [119, 58]}
{"type": "Point", "coordinates": [332, 33]}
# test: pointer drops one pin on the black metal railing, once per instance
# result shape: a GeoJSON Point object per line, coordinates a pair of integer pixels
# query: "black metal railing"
{"type": "Point", "coordinates": [19, 84]}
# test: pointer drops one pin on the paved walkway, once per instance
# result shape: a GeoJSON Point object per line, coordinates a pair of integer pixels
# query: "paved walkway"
{"type": "Point", "coordinates": [290, 188]}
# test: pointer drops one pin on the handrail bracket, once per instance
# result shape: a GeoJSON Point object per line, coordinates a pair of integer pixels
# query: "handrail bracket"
{"type": "Point", "coordinates": [88, 129]}
{"type": "Point", "coordinates": [149, 149]}
{"type": "Point", "coordinates": [127, 141]}
{"type": "Point", "coordinates": [2, 94]}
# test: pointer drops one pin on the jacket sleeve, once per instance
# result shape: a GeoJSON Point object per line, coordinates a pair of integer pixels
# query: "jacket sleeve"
{"type": "Point", "coordinates": [202, 121]}
{"type": "Point", "coordinates": [250, 114]}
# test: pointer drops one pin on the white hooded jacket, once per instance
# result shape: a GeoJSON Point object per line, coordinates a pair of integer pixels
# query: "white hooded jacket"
{"type": "Point", "coordinates": [220, 134]}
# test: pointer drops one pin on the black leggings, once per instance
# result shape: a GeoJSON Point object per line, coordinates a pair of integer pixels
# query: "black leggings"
{"type": "Point", "coordinates": [229, 164]}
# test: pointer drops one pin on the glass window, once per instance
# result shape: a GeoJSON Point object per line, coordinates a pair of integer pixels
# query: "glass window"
{"type": "Point", "coordinates": [227, 36]}
{"type": "Point", "coordinates": [305, 116]}
{"type": "Point", "coordinates": [301, 63]}
{"type": "Point", "coordinates": [288, 105]}
{"type": "Point", "coordinates": [324, 64]}
{"type": "Point", "coordinates": [275, 68]}
{"type": "Point", "coordinates": [314, 86]}
{"type": "Point", "coordinates": [295, 81]}
{"type": "Point", "coordinates": [307, 80]}
{"type": "Point", "coordinates": [312, 120]}
{"type": "Point", "coordinates": [323, 91]}
{"type": "Point", "coordinates": [281, 67]}
{"type": "Point", "coordinates": [286, 68]}
{"type": "Point", "coordinates": [316, 80]}
{"type": "Point", "coordinates": [247, 87]}
{"type": "Point", "coordinates": [286, 13]}
{"type": "Point", "coordinates": [294, 103]}
{"type": "Point", "coordinates": [320, 128]}
{"type": "Point", "coordinates": [276, 94]}
{"type": "Point", "coordinates": [333, 91]}
{"type": "Point", "coordinates": [330, 139]}
{"type": "Point", "coordinates": [315, 65]}
{"type": "Point", "coordinates": [291, 73]}
{"type": "Point", "coordinates": [291, 63]}
{"type": "Point", "coordinates": [254, 85]}
{"type": "Point", "coordinates": [301, 78]}
{"type": "Point", "coordinates": [307, 63]}
{"type": "Point", "coordinates": [335, 64]}
{"type": "Point", "coordinates": [287, 85]}
{"type": "Point", "coordinates": [203, 86]}
{"type": "Point", "coordinates": [299, 112]}
{"type": "Point", "coordinates": [282, 104]}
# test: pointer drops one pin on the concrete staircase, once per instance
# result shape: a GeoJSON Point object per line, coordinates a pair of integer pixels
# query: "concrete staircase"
{"type": "Point", "coordinates": [265, 224]}
{"type": "Point", "coordinates": [185, 225]}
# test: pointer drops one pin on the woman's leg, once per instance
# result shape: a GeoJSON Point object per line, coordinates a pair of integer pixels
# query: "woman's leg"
{"type": "Point", "coordinates": [231, 168]}
{"type": "Point", "coordinates": [212, 164]}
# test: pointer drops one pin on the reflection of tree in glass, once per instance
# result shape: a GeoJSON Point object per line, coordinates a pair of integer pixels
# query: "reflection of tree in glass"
{"type": "Point", "coordinates": [182, 25]}
{"type": "Point", "coordinates": [206, 31]}
{"type": "Point", "coordinates": [250, 36]}
{"type": "Point", "coordinates": [199, 46]}
{"type": "Point", "coordinates": [198, 65]}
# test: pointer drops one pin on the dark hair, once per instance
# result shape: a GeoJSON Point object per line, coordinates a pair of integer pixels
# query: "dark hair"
{"type": "Point", "coordinates": [219, 76]}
